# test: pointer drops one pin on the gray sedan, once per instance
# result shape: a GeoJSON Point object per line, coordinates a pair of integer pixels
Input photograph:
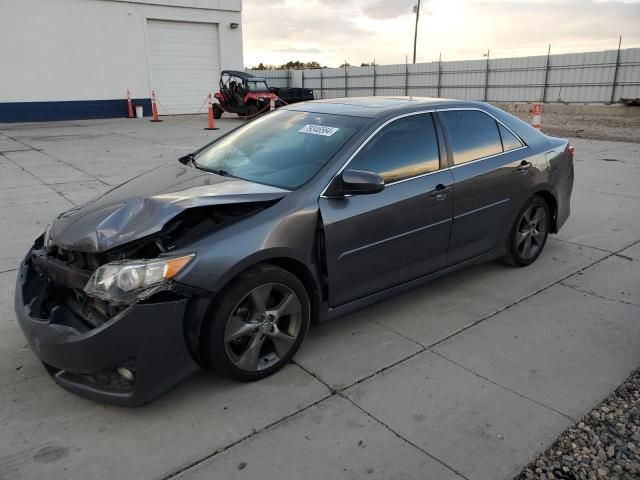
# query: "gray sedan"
{"type": "Point", "coordinates": [223, 259]}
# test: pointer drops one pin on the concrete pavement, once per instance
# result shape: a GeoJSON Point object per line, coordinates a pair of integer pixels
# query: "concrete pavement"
{"type": "Point", "coordinates": [468, 377]}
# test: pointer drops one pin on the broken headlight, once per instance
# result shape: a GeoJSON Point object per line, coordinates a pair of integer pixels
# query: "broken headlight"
{"type": "Point", "coordinates": [132, 280]}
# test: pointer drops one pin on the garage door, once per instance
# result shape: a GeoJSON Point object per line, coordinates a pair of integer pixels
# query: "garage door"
{"type": "Point", "coordinates": [184, 62]}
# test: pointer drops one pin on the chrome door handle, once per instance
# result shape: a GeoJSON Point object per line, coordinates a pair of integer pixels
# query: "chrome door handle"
{"type": "Point", "coordinates": [524, 167]}
{"type": "Point", "coordinates": [440, 192]}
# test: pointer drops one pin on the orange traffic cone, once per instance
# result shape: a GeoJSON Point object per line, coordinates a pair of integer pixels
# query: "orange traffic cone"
{"type": "Point", "coordinates": [129, 105]}
{"type": "Point", "coordinates": [154, 107]}
{"type": "Point", "coordinates": [537, 115]}
{"type": "Point", "coordinates": [210, 126]}
{"type": "Point", "coordinates": [272, 104]}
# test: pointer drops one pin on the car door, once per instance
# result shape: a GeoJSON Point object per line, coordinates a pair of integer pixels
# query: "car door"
{"type": "Point", "coordinates": [376, 241]}
{"type": "Point", "coordinates": [491, 180]}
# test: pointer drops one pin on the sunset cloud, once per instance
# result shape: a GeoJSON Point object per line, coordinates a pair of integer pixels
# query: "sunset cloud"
{"type": "Point", "coordinates": [331, 31]}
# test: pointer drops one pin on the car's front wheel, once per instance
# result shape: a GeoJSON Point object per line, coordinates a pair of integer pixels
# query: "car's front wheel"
{"type": "Point", "coordinates": [529, 233]}
{"type": "Point", "coordinates": [257, 324]}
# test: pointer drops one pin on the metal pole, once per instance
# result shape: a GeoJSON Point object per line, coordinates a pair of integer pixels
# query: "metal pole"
{"type": "Point", "coordinates": [346, 87]}
{"type": "Point", "coordinates": [615, 72]}
{"type": "Point", "coordinates": [415, 34]}
{"type": "Point", "coordinates": [302, 78]}
{"type": "Point", "coordinates": [321, 84]}
{"type": "Point", "coordinates": [439, 74]}
{"type": "Point", "coordinates": [406, 76]}
{"type": "Point", "coordinates": [546, 76]}
{"type": "Point", "coordinates": [486, 79]}
{"type": "Point", "coordinates": [374, 77]}
{"type": "Point", "coordinates": [289, 78]}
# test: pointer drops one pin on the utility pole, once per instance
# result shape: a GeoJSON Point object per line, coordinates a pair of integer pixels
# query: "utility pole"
{"type": "Point", "coordinates": [486, 77]}
{"type": "Point", "coordinates": [416, 8]}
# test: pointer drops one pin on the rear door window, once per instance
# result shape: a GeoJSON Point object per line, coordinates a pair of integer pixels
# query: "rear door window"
{"type": "Point", "coordinates": [473, 135]}
{"type": "Point", "coordinates": [405, 148]}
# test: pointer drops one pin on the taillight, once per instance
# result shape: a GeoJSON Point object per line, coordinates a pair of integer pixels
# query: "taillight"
{"type": "Point", "coordinates": [571, 150]}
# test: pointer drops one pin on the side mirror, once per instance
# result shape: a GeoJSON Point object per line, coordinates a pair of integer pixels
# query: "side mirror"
{"type": "Point", "coordinates": [355, 182]}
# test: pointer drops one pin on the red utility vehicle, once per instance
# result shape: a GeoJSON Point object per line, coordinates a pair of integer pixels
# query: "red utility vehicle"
{"type": "Point", "coordinates": [247, 95]}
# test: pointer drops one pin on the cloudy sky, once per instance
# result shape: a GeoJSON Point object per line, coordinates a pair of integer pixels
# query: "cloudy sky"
{"type": "Point", "coordinates": [330, 31]}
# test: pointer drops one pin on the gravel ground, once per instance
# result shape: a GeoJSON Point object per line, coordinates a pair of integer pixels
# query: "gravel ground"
{"type": "Point", "coordinates": [595, 127]}
{"type": "Point", "coordinates": [605, 444]}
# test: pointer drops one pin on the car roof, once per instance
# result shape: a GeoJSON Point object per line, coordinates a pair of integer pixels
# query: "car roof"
{"type": "Point", "coordinates": [371, 107]}
{"type": "Point", "coordinates": [242, 75]}
{"type": "Point", "coordinates": [382, 108]}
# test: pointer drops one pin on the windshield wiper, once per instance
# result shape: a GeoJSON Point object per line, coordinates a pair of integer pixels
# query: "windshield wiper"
{"type": "Point", "coordinates": [217, 171]}
{"type": "Point", "coordinates": [224, 173]}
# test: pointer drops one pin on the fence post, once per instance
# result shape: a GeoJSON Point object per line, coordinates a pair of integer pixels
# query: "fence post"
{"type": "Point", "coordinates": [546, 75]}
{"type": "Point", "coordinates": [486, 79]}
{"type": "Point", "coordinates": [439, 74]}
{"type": "Point", "coordinates": [374, 78]}
{"type": "Point", "coordinates": [288, 78]}
{"type": "Point", "coordinates": [303, 78]}
{"type": "Point", "coordinates": [321, 84]}
{"type": "Point", "coordinates": [346, 86]}
{"type": "Point", "coordinates": [406, 76]}
{"type": "Point", "coordinates": [615, 72]}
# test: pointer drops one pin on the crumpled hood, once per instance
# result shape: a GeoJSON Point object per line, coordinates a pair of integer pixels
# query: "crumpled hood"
{"type": "Point", "coordinates": [144, 204]}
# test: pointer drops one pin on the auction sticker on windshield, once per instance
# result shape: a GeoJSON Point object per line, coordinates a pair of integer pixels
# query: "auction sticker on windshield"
{"type": "Point", "coordinates": [319, 130]}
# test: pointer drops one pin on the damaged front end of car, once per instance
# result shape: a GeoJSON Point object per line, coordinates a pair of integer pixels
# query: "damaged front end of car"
{"type": "Point", "coordinates": [99, 299]}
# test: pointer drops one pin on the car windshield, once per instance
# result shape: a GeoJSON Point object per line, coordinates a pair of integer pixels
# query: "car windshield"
{"type": "Point", "coordinates": [283, 148]}
{"type": "Point", "coordinates": [257, 86]}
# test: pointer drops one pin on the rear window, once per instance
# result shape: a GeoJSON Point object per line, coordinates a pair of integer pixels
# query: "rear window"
{"type": "Point", "coordinates": [283, 148]}
{"type": "Point", "coordinates": [509, 140]}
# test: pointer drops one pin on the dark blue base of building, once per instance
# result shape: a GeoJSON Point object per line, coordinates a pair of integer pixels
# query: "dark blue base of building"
{"type": "Point", "coordinates": [69, 110]}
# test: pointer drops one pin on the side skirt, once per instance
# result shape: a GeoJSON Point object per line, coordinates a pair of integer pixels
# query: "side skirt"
{"type": "Point", "coordinates": [327, 313]}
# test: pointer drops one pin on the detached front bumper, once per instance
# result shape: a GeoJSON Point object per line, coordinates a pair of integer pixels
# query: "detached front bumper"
{"type": "Point", "coordinates": [148, 339]}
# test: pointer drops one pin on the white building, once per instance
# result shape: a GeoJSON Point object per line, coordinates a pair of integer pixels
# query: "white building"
{"type": "Point", "coordinates": [70, 59]}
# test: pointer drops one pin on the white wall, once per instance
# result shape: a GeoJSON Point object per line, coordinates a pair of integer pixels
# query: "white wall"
{"type": "Point", "coordinates": [53, 50]}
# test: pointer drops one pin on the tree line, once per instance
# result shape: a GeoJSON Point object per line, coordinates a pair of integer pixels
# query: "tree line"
{"type": "Point", "coordinates": [298, 65]}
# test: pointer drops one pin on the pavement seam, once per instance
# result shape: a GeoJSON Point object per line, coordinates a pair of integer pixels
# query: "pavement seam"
{"type": "Point", "coordinates": [623, 195]}
{"type": "Point", "coordinates": [57, 160]}
{"type": "Point", "coordinates": [247, 437]}
{"type": "Point", "coordinates": [420, 449]}
{"type": "Point", "coordinates": [556, 239]}
{"type": "Point", "coordinates": [594, 294]}
{"type": "Point", "coordinates": [39, 179]}
{"type": "Point", "coordinates": [366, 377]}
{"type": "Point", "coordinates": [422, 346]}
{"type": "Point", "coordinates": [23, 150]}
{"type": "Point", "coordinates": [533, 400]}
{"type": "Point", "coordinates": [504, 308]}
{"type": "Point", "coordinates": [500, 310]}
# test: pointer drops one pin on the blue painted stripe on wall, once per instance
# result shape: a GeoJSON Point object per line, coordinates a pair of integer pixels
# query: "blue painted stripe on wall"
{"type": "Point", "coordinates": [68, 110]}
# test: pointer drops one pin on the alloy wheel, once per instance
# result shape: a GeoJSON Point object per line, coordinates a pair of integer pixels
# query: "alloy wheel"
{"type": "Point", "coordinates": [263, 327]}
{"type": "Point", "coordinates": [532, 231]}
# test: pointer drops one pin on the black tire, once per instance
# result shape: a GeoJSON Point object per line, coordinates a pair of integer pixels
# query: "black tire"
{"type": "Point", "coordinates": [217, 111]}
{"type": "Point", "coordinates": [531, 227]}
{"type": "Point", "coordinates": [252, 110]}
{"type": "Point", "coordinates": [225, 354]}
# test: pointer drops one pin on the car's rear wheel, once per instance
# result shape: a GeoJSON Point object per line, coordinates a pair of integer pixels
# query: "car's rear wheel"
{"type": "Point", "coordinates": [217, 111]}
{"type": "Point", "coordinates": [529, 233]}
{"type": "Point", "coordinates": [257, 324]}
